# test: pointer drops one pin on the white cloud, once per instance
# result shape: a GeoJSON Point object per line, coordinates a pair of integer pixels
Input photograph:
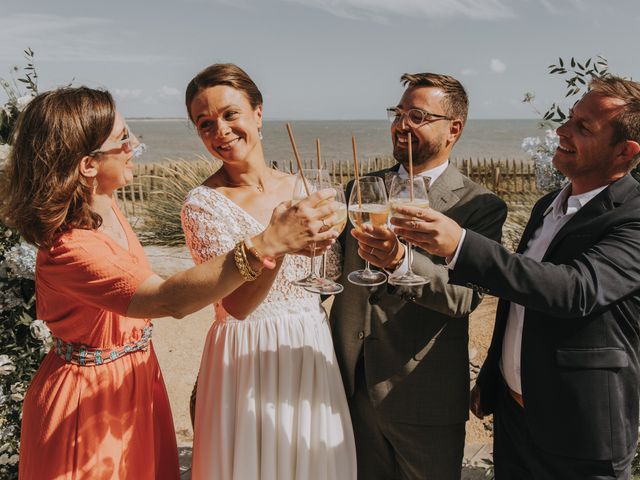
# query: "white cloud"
{"type": "Point", "coordinates": [469, 72]}
{"type": "Point", "coordinates": [169, 92]}
{"type": "Point", "coordinates": [377, 9]}
{"type": "Point", "coordinates": [125, 93]}
{"type": "Point", "coordinates": [65, 38]}
{"type": "Point", "coordinates": [497, 65]}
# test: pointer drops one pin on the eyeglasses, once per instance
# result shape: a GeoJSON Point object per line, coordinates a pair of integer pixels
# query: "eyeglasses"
{"type": "Point", "coordinates": [415, 116]}
{"type": "Point", "coordinates": [128, 142]}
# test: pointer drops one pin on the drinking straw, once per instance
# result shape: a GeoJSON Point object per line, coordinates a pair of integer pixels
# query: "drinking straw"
{"type": "Point", "coordinates": [410, 167]}
{"type": "Point", "coordinates": [355, 170]}
{"type": "Point", "coordinates": [318, 154]}
{"type": "Point", "coordinates": [295, 153]}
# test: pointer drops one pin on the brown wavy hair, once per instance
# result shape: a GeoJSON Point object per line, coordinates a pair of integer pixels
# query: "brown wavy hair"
{"type": "Point", "coordinates": [44, 193]}
{"type": "Point", "coordinates": [227, 74]}
{"type": "Point", "coordinates": [455, 102]}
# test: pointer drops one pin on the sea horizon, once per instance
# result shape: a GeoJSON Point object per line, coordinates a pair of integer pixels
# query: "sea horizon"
{"type": "Point", "coordinates": [175, 138]}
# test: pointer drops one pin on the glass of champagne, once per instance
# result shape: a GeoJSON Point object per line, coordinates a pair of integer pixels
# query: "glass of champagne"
{"type": "Point", "coordinates": [327, 286]}
{"type": "Point", "coordinates": [368, 205]}
{"type": "Point", "coordinates": [315, 180]}
{"type": "Point", "coordinates": [401, 195]}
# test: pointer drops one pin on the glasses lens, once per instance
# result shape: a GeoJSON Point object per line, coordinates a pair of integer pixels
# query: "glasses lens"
{"type": "Point", "coordinates": [416, 117]}
{"type": "Point", "coordinates": [139, 149]}
{"type": "Point", "coordinates": [392, 114]}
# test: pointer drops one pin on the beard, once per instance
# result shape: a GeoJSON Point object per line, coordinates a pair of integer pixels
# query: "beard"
{"type": "Point", "coordinates": [420, 156]}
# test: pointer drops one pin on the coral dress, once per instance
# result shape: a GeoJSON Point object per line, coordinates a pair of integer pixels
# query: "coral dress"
{"type": "Point", "coordinates": [106, 421]}
{"type": "Point", "coordinates": [270, 402]}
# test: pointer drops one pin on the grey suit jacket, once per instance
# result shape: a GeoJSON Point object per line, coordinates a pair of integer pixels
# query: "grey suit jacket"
{"type": "Point", "coordinates": [413, 341]}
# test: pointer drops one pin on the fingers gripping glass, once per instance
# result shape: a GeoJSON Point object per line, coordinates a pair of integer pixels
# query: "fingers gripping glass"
{"type": "Point", "coordinates": [129, 141]}
{"type": "Point", "coordinates": [315, 180]}
{"type": "Point", "coordinates": [415, 116]}
{"type": "Point", "coordinates": [368, 205]}
{"type": "Point", "coordinates": [403, 194]}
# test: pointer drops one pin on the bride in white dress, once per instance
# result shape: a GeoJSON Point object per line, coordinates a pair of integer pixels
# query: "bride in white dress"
{"type": "Point", "coordinates": [270, 401]}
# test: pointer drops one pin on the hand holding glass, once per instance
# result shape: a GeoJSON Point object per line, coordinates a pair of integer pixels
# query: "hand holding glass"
{"type": "Point", "coordinates": [368, 206]}
{"type": "Point", "coordinates": [401, 194]}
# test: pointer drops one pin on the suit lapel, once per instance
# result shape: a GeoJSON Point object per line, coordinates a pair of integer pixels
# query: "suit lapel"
{"type": "Point", "coordinates": [537, 217]}
{"type": "Point", "coordinates": [606, 200]}
{"type": "Point", "coordinates": [442, 194]}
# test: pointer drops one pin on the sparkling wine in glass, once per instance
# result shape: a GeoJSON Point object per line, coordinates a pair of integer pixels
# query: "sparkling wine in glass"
{"type": "Point", "coordinates": [402, 194]}
{"type": "Point", "coordinates": [368, 205]}
{"type": "Point", "coordinates": [315, 180]}
{"type": "Point", "coordinates": [326, 286]}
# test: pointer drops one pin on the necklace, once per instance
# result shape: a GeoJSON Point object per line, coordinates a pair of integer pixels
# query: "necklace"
{"type": "Point", "coordinates": [258, 186]}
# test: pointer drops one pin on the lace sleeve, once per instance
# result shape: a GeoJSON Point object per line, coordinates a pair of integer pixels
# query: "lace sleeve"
{"type": "Point", "coordinates": [205, 229]}
{"type": "Point", "coordinates": [334, 261]}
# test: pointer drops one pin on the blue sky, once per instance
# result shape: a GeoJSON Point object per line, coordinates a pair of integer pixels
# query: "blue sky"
{"type": "Point", "coordinates": [315, 59]}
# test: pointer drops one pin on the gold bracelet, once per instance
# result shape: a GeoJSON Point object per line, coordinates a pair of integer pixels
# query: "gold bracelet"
{"type": "Point", "coordinates": [240, 258]}
{"type": "Point", "coordinates": [254, 272]}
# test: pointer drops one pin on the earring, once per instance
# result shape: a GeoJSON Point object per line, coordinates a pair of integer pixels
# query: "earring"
{"type": "Point", "coordinates": [94, 185]}
{"type": "Point", "coordinates": [260, 133]}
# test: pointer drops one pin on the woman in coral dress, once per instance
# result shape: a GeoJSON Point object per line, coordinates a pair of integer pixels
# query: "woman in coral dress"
{"type": "Point", "coordinates": [97, 408]}
{"type": "Point", "coordinates": [270, 403]}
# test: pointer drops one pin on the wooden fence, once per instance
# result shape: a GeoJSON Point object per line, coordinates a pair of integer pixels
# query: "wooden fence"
{"type": "Point", "coordinates": [505, 177]}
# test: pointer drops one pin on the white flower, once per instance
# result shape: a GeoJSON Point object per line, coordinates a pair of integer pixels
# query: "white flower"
{"type": "Point", "coordinates": [17, 392]}
{"type": "Point", "coordinates": [4, 459]}
{"type": "Point", "coordinates": [21, 260]}
{"type": "Point", "coordinates": [39, 330]}
{"type": "Point", "coordinates": [13, 459]}
{"type": "Point", "coordinates": [6, 365]}
{"type": "Point", "coordinates": [542, 152]}
{"type": "Point", "coordinates": [23, 101]}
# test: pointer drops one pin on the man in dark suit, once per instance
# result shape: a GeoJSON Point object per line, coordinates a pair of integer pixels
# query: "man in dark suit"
{"type": "Point", "coordinates": [403, 351]}
{"type": "Point", "coordinates": [563, 370]}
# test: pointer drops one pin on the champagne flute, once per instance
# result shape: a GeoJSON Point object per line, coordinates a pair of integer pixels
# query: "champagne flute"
{"type": "Point", "coordinates": [403, 194]}
{"type": "Point", "coordinates": [327, 286]}
{"type": "Point", "coordinates": [368, 206]}
{"type": "Point", "coordinates": [315, 180]}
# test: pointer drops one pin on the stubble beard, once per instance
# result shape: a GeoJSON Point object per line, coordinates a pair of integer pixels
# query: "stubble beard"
{"type": "Point", "coordinates": [420, 157]}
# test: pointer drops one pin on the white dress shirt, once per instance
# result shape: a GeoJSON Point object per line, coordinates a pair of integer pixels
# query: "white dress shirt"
{"type": "Point", "coordinates": [555, 217]}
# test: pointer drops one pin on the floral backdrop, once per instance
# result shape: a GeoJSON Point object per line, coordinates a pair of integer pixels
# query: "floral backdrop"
{"type": "Point", "coordinates": [24, 340]}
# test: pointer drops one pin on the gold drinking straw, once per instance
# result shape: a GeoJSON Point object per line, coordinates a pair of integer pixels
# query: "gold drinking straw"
{"type": "Point", "coordinates": [295, 153]}
{"type": "Point", "coordinates": [355, 169]}
{"type": "Point", "coordinates": [410, 167]}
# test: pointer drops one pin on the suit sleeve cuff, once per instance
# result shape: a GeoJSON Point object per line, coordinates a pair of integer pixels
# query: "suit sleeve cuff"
{"type": "Point", "coordinates": [452, 264]}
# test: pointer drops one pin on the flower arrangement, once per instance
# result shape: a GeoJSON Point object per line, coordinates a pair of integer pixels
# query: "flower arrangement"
{"type": "Point", "coordinates": [541, 151]}
{"type": "Point", "coordinates": [23, 339]}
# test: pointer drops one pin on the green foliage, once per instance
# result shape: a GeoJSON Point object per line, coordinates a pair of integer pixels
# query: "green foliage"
{"type": "Point", "coordinates": [23, 340]}
{"type": "Point", "coordinates": [576, 77]}
{"type": "Point", "coordinates": [16, 97]}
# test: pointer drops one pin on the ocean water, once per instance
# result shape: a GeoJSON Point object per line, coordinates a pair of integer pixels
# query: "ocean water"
{"type": "Point", "coordinates": [173, 139]}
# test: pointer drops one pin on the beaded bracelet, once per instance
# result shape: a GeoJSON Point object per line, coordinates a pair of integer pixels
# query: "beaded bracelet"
{"type": "Point", "coordinates": [267, 262]}
{"type": "Point", "coordinates": [244, 267]}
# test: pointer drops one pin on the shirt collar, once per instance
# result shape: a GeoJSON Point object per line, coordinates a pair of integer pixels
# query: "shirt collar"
{"type": "Point", "coordinates": [573, 202]}
{"type": "Point", "coordinates": [432, 173]}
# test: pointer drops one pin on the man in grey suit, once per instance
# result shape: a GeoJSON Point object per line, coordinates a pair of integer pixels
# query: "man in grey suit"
{"type": "Point", "coordinates": [563, 369]}
{"type": "Point", "coordinates": [403, 351]}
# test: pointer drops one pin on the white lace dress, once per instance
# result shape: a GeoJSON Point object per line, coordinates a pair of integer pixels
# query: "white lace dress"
{"type": "Point", "coordinates": [270, 402]}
